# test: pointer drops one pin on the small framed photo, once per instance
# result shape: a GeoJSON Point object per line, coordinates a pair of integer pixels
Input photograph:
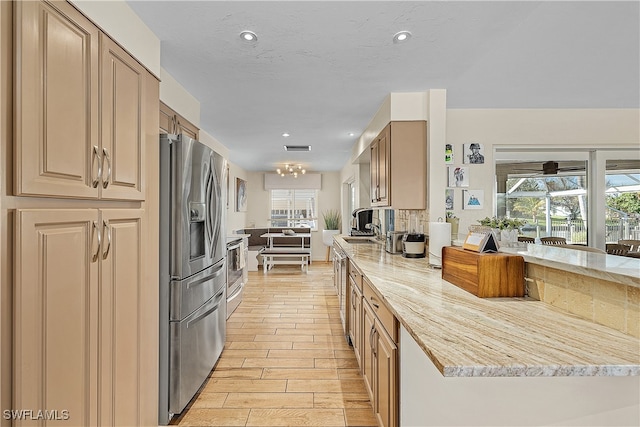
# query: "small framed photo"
{"type": "Point", "coordinates": [448, 199]}
{"type": "Point", "coordinates": [241, 195]}
{"type": "Point", "coordinates": [473, 199]}
{"type": "Point", "coordinates": [448, 154]}
{"type": "Point", "coordinates": [458, 176]}
{"type": "Point", "coordinates": [473, 153]}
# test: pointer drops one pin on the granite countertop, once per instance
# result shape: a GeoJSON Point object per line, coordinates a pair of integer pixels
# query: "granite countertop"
{"type": "Point", "coordinates": [467, 336]}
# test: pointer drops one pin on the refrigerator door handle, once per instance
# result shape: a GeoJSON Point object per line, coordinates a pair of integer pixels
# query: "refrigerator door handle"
{"type": "Point", "coordinates": [208, 201]}
{"type": "Point", "coordinates": [213, 216]}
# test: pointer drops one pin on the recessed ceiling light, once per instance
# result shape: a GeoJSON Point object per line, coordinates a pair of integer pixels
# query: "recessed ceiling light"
{"type": "Point", "coordinates": [286, 135]}
{"type": "Point", "coordinates": [401, 36]}
{"type": "Point", "coordinates": [352, 134]}
{"type": "Point", "coordinates": [248, 36]}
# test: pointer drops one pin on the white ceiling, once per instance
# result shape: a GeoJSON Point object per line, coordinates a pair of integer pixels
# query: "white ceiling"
{"type": "Point", "coordinates": [321, 69]}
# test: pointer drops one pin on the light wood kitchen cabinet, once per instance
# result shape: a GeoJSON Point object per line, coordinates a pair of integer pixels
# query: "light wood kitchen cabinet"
{"type": "Point", "coordinates": [123, 125]}
{"type": "Point", "coordinates": [399, 166]}
{"type": "Point", "coordinates": [84, 285]}
{"type": "Point", "coordinates": [380, 168]}
{"type": "Point", "coordinates": [172, 122]}
{"type": "Point", "coordinates": [71, 82]}
{"type": "Point", "coordinates": [380, 357]}
{"type": "Point", "coordinates": [56, 94]}
{"type": "Point", "coordinates": [354, 323]}
{"type": "Point", "coordinates": [78, 290]}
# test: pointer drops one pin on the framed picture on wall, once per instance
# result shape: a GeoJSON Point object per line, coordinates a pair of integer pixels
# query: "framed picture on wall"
{"type": "Point", "coordinates": [458, 176]}
{"type": "Point", "coordinates": [473, 153]}
{"type": "Point", "coordinates": [241, 195]}
{"type": "Point", "coordinates": [473, 199]}
{"type": "Point", "coordinates": [448, 199]}
{"type": "Point", "coordinates": [448, 154]}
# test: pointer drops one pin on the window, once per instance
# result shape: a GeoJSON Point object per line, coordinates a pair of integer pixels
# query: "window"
{"type": "Point", "coordinates": [622, 200]}
{"type": "Point", "coordinates": [588, 196]}
{"type": "Point", "coordinates": [294, 208]}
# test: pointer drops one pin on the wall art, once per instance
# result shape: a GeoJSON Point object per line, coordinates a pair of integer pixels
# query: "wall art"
{"type": "Point", "coordinates": [448, 199]}
{"type": "Point", "coordinates": [448, 154]}
{"type": "Point", "coordinates": [458, 176]}
{"type": "Point", "coordinates": [473, 199]}
{"type": "Point", "coordinates": [241, 195]}
{"type": "Point", "coordinates": [473, 153]}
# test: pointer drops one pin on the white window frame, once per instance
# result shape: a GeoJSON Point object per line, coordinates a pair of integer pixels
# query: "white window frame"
{"type": "Point", "coordinates": [291, 220]}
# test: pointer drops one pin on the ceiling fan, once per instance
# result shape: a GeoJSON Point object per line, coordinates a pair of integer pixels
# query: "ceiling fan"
{"type": "Point", "coordinates": [552, 168]}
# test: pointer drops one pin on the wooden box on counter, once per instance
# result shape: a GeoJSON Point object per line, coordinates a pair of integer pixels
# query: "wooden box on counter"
{"type": "Point", "coordinates": [484, 274]}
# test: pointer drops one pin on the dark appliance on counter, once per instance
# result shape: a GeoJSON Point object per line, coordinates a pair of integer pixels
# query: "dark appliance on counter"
{"type": "Point", "coordinates": [192, 255]}
{"type": "Point", "coordinates": [413, 245]}
{"type": "Point", "coordinates": [361, 222]}
{"type": "Point", "coordinates": [236, 262]}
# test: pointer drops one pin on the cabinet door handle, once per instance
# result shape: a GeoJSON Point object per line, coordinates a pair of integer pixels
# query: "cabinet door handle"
{"type": "Point", "coordinates": [107, 232]}
{"type": "Point", "coordinates": [372, 343]}
{"type": "Point", "coordinates": [377, 306]}
{"type": "Point", "coordinates": [96, 230]}
{"type": "Point", "coordinates": [105, 182]}
{"type": "Point", "coordinates": [174, 125]}
{"type": "Point", "coordinates": [95, 156]}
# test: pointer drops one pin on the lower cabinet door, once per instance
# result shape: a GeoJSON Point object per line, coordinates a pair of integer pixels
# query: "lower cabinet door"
{"type": "Point", "coordinates": [56, 314]}
{"type": "Point", "coordinates": [368, 358]}
{"type": "Point", "coordinates": [78, 327]}
{"type": "Point", "coordinates": [386, 409]}
{"type": "Point", "coordinates": [121, 303]}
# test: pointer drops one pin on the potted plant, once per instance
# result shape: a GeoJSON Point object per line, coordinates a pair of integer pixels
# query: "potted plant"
{"type": "Point", "coordinates": [455, 224]}
{"type": "Point", "coordinates": [505, 229]}
{"type": "Point", "coordinates": [332, 220]}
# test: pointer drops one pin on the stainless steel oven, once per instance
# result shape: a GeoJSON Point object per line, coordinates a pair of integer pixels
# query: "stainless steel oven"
{"type": "Point", "coordinates": [235, 273]}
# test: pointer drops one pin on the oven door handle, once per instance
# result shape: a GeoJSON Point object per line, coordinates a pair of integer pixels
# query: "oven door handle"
{"type": "Point", "coordinates": [233, 247]}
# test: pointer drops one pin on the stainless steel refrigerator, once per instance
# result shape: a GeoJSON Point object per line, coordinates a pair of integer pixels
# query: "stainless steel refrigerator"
{"type": "Point", "coordinates": [192, 269]}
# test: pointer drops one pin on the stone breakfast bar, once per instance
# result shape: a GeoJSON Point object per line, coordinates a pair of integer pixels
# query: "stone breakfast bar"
{"type": "Point", "coordinates": [465, 360]}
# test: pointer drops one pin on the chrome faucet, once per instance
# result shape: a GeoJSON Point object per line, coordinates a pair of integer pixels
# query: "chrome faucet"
{"type": "Point", "coordinates": [377, 232]}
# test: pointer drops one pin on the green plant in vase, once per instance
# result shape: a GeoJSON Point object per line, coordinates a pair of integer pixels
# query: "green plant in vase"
{"type": "Point", "coordinates": [331, 227]}
{"type": "Point", "coordinates": [331, 219]}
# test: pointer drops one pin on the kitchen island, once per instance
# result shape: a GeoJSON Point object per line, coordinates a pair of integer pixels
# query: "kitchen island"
{"type": "Point", "coordinates": [501, 361]}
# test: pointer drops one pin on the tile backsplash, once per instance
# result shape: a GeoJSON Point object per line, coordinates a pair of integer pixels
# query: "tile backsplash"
{"type": "Point", "coordinates": [600, 301]}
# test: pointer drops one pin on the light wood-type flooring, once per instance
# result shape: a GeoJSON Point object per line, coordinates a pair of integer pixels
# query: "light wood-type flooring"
{"type": "Point", "coordinates": [286, 361]}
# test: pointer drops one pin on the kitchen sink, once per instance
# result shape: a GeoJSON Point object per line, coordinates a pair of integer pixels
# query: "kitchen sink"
{"type": "Point", "coordinates": [359, 240]}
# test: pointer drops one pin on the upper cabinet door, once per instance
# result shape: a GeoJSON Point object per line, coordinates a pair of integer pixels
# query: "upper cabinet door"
{"type": "Point", "coordinates": [123, 115]}
{"type": "Point", "coordinates": [56, 94]}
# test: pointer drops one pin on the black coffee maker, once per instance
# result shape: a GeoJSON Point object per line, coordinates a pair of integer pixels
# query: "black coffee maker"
{"type": "Point", "coordinates": [361, 218]}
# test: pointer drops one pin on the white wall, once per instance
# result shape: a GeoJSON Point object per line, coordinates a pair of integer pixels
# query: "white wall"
{"type": "Point", "coordinates": [538, 128]}
{"type": "Point", "coordinates": [117, 19]}
{"type": "Point", "coordinates": [176, 96]}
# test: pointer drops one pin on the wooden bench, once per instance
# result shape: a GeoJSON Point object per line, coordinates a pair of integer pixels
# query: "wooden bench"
{"type": "Point", "coordinates": [290, 256]}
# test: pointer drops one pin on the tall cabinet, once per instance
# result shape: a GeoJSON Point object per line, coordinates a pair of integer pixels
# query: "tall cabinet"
{"type": "Point", "coordinates": [85, 111]}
